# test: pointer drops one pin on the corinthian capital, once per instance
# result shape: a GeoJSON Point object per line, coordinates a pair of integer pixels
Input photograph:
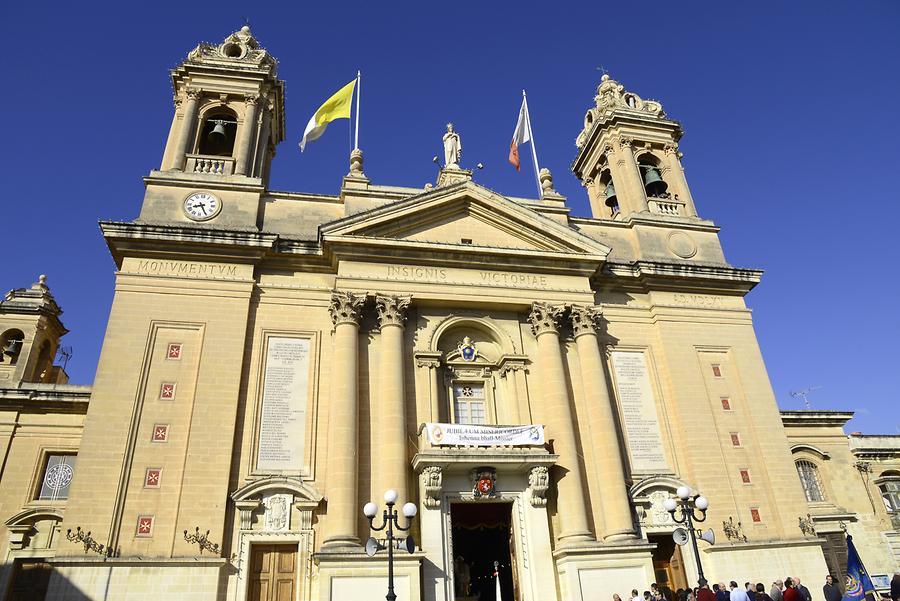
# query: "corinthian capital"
{"type": "Point", "coordinates": [391, 309]}
{"type": "Point", "coordinates": [543, 318]}
{"type": "Point", "coordinates": [585, 319]}
{"type": "Point", "coordinates": [345, 307]}
{"type": "Point", "coordinates": [193, 93]}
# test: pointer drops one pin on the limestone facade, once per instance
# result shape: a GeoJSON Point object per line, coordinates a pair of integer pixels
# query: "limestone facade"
{"type": "Point", "coordinates": [272, 365]}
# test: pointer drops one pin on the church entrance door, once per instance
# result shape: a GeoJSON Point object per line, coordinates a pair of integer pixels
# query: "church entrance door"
{"type": "Point", "coordinates": [30, 580]}
{"type": "Point", "coordinates": [482, 536]}
{"type": "Point", "coordinates": [273, 572]}
{"type": "Point", "coordinates": [668, 565]}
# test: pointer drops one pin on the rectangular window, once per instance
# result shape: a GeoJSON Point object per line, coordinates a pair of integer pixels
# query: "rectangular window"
{"type": "Point", "coordinates": [745, 476]}
{"type": "Point", "coordinates": [735, 439]}
{"type": "Point", "coordinates": [468, 403]}
{"type": "Point", "coordinates": [754, 515]}
{"type": "Point", "coordinates": [56, 477]}
{"type": "Point", "coordinates": [717, 370]}
{"type": "Point", "coordinates": [726, 403]}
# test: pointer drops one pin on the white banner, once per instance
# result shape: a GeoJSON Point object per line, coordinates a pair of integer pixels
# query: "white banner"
{"type": "Point", "coordinates": [484, 436]}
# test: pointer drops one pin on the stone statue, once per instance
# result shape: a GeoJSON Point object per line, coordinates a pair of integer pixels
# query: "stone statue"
{"type": "Point", "coordinates": [452, 147]}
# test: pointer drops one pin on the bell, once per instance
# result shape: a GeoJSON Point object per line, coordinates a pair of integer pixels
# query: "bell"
{"type": "Point", "coordinates": [13, 348]}
{"type": "Point", "coordinates": [653, 182]}
{"type": "Point", "coordinates": [217, 135]}
{"type": "Point", "coordinates": [611, 201]}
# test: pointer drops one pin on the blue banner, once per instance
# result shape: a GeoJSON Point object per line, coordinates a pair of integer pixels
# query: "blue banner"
{"type": "Point", "coordinates": [858, 581]}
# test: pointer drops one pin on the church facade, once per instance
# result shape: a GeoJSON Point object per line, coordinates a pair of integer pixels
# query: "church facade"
{"type": "Point", "coordinates": [537, 384]}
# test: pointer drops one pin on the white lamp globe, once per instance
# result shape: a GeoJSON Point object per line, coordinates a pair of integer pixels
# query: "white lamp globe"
{"type": "Point", "coordinates": [670, 505]}
{"type": "Point", "coordinates": [370, 509]}
{"type": "Point", "coordinates": [683, 492]}
{"type": "Point", "coordinates": [390, 496]}
{"type": "Point", "coordinates": [410, 510]}
{"type": "Point", "coordinates": [702, 503]}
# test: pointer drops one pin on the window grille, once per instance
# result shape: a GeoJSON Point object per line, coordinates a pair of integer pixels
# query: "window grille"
{"type": "Point", "coordinates": [809, 478]}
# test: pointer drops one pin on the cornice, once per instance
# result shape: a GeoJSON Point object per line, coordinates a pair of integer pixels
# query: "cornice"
{"type": "Point", "coordinates": [671, 275]}
{"type": "Point", "coordinates": [816, 418]}
{"type": "Point", "coordinates": [64, 398]}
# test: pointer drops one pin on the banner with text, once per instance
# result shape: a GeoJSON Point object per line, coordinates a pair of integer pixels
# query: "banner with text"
{"type": "Point", "coordinates": [484, 436]}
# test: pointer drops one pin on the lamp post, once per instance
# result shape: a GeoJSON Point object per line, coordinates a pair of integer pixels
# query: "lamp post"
{"type": "Point", "coordinates": [390, 520]}
{"type": "Point", "coordinates": [689, 515]}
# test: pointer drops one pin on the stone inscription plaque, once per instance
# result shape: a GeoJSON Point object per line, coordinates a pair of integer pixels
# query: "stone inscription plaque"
{"type": "Point", "coordinates": [282, 432]}
{"type": "Point", "coordinates": [642, 430]}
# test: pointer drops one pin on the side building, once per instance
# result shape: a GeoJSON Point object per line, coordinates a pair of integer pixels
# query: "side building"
{"type": "Point", "coordinates": [537, 384]}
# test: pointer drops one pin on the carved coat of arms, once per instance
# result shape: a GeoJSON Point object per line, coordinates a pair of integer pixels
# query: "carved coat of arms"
{"type": "Point", "coordinates": [467, 349]}
{"type": "Point", "coordinates": [485, 482]}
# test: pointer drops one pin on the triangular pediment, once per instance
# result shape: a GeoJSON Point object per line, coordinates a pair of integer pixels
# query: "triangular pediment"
{"type": "Point", "coordinates": [465, 215]}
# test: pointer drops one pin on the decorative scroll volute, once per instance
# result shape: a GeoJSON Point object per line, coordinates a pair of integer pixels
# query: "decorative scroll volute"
{"type": "Point", "coordinates": [346, 307]}
{"type": "Point", "coordinates": [585, 319]}
{"type": "Point", "coordinates": [391, 309]}
{"type": "Point", "coordinates": [544, 317]}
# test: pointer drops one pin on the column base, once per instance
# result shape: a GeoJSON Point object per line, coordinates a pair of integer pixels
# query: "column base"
{"type": "Point", "coordinates": [349, 543]}
{"type": "Point", "coordinates": [620, 536]}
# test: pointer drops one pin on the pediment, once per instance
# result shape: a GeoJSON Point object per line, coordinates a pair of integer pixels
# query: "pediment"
{"type": "Point", "coordinates": [465, 215]}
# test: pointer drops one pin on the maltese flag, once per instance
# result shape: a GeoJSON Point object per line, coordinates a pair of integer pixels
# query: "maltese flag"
{"type": "Point", "coordinates": [520, 136]}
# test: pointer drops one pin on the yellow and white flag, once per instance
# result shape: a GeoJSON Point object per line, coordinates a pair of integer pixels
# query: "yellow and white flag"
{"type": "Point", "coordinates": [336, 107]}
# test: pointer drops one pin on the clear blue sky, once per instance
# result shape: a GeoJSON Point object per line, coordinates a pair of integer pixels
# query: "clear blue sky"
{"type": "Point", "coordinates": [790, 112]}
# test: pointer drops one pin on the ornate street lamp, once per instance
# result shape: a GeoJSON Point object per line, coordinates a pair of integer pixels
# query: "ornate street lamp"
{"type": "Point", "coordinates": [689, 515]}
{"type": "Point", "coordinates": [390, 521]}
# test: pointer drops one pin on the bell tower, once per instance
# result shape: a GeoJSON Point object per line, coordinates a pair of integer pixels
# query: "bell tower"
{"type": "Point", "coordinates": [228, 119]}
{"type": "Point", "coordinates": [229, 110]}
{"type": "Point", "coordinates": [30, 330]}
{"type": "Point", "coordinates": [628, 157]}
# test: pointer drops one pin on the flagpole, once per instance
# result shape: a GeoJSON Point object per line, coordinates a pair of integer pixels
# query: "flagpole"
{"type": "Point", "coordinates": [358, 90]}
{"type": "Point", "coordinates": [537, 174]}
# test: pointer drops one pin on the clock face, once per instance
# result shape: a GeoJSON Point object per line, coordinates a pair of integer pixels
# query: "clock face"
{"type": "Point", "coordinates": [201, 206]}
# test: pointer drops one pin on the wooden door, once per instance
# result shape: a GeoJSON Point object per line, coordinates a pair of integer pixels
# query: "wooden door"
{"type": "Point", "coordinates": [273, 572]}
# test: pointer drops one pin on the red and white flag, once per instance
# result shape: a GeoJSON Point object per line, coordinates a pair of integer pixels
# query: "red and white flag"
{"type": "Point", "coordinates": [520, 136]}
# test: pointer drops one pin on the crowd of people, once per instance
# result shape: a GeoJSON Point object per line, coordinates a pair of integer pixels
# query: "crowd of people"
{"type": "Point", "coordinates": [788, 589]}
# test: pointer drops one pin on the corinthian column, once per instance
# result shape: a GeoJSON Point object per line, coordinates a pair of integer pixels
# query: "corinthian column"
{"type": "Point", "coordinates": [392, 414]}
{"type": "Point", "coordinates": [187, 128]}
{"type": "Point", "coordinates": [616, 509]}
{"type": "Point", "coordinates": [557, 414]}
{"type": "Point", "coordinates": [247, 130]}
{"type": "Point", "coordinates": [343, 422]}
{"type": "Point", "coordinates": [634, 182]}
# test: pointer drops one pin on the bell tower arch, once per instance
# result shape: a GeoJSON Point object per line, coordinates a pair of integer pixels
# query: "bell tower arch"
{"type": "Point", "coordinates": [229, 110]}
{"type": "Point", "coordinates": [30, 330]}
{"type": "Point", "coordinates": [628, 157]}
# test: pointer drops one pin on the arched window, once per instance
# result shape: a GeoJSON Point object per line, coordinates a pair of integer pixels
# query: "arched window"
{"type": "Point", "coordinates": [217, 134]}
{"type": "Point", "coordinates": [809, 478]}
{"type": "Point", "coordinates": [11, 346]}
{"type": "Point", "coordinates": [651, 176]}
{"type": "Point", "coordinates": [889, 485]}
{"type": "Point", "coordinates": [609, 191]}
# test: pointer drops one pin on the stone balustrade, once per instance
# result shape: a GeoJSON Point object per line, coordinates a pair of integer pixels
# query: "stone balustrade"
{"type": "Point", "coordinates": [215, 165]}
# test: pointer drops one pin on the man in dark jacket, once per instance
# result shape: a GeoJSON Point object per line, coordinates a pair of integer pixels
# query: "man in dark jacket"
{"type": "Point", "coordinates": [804, 593]}
{"type": "Point", "coordinates": [831, 590]}
{"type": "Point", "coordinates": [761, 594]}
